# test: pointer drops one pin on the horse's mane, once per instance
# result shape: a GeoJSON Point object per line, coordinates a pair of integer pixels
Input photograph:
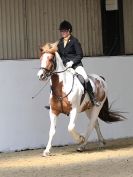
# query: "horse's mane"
{"type": "Point", "coordinates": [49, 48]}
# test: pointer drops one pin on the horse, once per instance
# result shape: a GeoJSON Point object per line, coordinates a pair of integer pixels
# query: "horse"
{"type": "Point", "coordinates": [68, 96]}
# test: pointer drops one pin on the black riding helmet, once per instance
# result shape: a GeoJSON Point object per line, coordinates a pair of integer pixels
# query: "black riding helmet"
{"type": "Point", "coordinates": [65, 25]}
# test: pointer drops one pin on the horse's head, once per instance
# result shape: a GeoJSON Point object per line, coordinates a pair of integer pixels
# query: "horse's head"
{"type": "Point", "coordinates": [48, 62]}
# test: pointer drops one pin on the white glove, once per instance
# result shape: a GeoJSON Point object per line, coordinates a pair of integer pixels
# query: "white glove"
{"type": "Point", "coordinates": [71, 70]}
{"type": "Point", "coordinates": [69, 64]}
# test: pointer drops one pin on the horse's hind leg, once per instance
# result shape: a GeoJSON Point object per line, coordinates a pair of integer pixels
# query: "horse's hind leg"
{"type": "Point", "coordinates": [71, 127]}
{"type": "Point", "coordinates": [99, 134]}
{"type": "Point", "coordinates": [93, 115]}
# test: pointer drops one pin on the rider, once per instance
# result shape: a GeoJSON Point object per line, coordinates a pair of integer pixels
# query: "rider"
{"type": "Point", "coordinates": [71, 54]}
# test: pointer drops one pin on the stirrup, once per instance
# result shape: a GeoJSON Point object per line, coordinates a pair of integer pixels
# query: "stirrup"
{"type": "Point", "coordinates": [47, 107]}
{"type": "Point", "coordinates": [94, 100]}
{"type": "Point", "coordinates": [96, 103]}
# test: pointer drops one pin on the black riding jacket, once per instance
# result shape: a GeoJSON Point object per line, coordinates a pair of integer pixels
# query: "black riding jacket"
{"type": "Point", "coordinates": [71, 52]}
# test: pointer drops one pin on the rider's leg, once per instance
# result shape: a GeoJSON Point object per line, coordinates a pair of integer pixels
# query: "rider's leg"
{"type": "Point", "coordinates": [80, 70]}
{"type": "Point", "coordinates": [91, 94]}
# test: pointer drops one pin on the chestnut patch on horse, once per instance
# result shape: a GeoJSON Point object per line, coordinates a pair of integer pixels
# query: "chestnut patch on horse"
{"type": "Point", "coordinates": [49, 63]}
{"type": "Point", "coordinates": [99, 92]}
{"type": "Point", "coordinates": [62, 105]}
{"type": "Point", "coordinates": [87, 105]}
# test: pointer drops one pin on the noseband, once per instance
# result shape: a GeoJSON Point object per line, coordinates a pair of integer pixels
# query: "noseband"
{"type": "Point", "coordinates": [50, 72]}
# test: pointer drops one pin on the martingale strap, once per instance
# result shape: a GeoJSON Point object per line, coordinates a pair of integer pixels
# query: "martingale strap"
{"type": "Point", "coordinates": [60, 98]}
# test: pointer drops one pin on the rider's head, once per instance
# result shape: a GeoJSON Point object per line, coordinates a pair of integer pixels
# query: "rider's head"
{"type": "Point", "coordinates": [65, 28]}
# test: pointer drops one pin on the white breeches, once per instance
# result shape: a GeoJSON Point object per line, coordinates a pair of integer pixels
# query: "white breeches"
{"type": "Point", "coordinates": [80, 70]}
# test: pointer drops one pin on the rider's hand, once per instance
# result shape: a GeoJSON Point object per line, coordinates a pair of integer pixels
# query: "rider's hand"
{"type": "Point", "coordinates": [71, 70]}
{"type": "Point", "coordinates": [69, 64]}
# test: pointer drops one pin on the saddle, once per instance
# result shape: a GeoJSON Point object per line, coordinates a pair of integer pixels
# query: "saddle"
{"type": "Point", "coordinates": [81, 79]}
{"type": "Point", "coordinates": [83, 82]}
{"type": "Point", "coordinates": [97, 86]}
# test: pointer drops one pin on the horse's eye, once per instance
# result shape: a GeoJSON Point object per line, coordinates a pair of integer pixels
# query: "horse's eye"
{"type": "Point", "coordinates": [41, 49]}
{"type": "Point", "coordinates": [50, 58]}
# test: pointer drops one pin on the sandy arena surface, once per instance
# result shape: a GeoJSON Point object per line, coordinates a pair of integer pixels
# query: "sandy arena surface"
{"type": "Point", "coordinates": [115, 160]}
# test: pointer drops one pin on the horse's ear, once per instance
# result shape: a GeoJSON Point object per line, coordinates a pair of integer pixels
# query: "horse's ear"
{"type": "Point", "coordinates": [41, 49]}
{"type": "Point", "coordinates": [54, 46]}
{"type": "Point", "coordinates": [49, 45]}
{"type": "Point", "coordinates": [56, 43]}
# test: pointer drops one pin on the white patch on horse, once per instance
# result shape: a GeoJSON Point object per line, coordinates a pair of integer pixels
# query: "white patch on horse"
{"type": "Point", "coordinates": [44, 59]}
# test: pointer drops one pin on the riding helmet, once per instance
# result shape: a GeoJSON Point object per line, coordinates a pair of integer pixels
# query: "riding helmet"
{"type": "Point", "coordinates": [65, 25]}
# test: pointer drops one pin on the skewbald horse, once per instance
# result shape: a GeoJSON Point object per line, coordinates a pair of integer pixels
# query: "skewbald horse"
{"type": "Point", "coordinates": [68, 96]}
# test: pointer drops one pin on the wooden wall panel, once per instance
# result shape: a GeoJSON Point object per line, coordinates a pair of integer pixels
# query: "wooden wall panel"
{"type": "Point", "coordinates": [25, 25]}
{"type": "Point", "coordinates": [12, 35]}
{"type": "Point", "coordinates": [128, 25]}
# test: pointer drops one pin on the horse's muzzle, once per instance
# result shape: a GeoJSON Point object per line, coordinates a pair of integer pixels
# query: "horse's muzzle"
{"type": "Point", "coordinates": [41, 74]}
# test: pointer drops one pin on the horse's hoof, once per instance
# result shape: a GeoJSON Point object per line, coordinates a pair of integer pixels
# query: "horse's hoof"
{"type": "Point", "coordinates": [82, 139]}
{"type": "Point", "coordinates": [101, 145]}
{"type": "Point", "coordinates": [104, 142]}
{"type": "Point", "coordinates": [100, 148]}
{"type": "Point", "coordinates": [81, 149]}
{"type": "Point", "coordinates": [46, 153]}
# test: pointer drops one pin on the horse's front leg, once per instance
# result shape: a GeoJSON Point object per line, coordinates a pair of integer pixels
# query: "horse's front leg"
{"type": "Point", "coordinates": [52, 130]}
{"type": "Point", "coordinates": [71, 127]}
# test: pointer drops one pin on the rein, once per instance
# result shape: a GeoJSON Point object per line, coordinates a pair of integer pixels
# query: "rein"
{"type": "Point", "coordinates": [40, 90]}
{"type": "Point", "coordinates": [60, 98]}
{"type": "Point", "coordinates": [50, 73]}
{"type": "Point", "coordinates": [58, 72]}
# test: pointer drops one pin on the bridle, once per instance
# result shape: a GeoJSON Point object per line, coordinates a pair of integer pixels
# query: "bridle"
{"type": "Point", "coordinates": [51, 72]}
{"type": "Point", "coordinates": [48, 72]}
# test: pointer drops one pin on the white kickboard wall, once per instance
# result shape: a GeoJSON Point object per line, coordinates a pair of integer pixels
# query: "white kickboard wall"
{"type": "Point", "coordinates": [24, 122]}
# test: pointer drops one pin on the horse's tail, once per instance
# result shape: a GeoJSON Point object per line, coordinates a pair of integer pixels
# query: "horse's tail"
{"type": "Point", "coordinates": [107, 115]}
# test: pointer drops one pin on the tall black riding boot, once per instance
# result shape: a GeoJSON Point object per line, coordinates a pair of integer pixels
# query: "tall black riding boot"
{"type": "Point", "coordinates": [91, 94]}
